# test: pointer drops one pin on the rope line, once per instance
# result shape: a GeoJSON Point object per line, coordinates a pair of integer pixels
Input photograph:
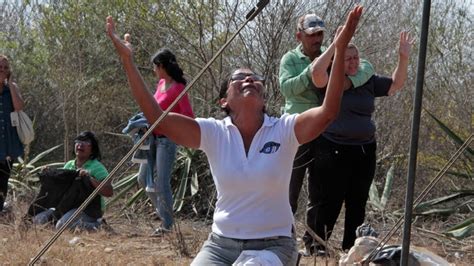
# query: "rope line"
{"type": "Point", "coordinates": [417, 201]}
{"type": "Point", "coordinates": [50, 242]}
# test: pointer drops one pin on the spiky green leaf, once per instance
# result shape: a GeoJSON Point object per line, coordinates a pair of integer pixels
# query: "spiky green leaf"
{"type": "Point", "coordinates": [388, 186]}
{"type": "Point", "coordinates": [461, 230]}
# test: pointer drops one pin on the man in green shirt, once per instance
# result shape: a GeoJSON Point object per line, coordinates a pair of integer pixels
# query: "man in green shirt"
{"type": "Point", "coordinates": [298, 68]}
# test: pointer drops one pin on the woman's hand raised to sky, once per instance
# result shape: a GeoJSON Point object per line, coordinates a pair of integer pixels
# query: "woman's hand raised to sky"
{"type": "Point", "coordinates": [345, 36]}
{"type": "Point", "coordinates": [123, 47]}
{"type": "Point", "coordinates": [405, 44]}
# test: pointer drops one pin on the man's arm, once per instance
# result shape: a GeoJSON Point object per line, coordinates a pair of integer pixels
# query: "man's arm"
{"type": "Point", "coordinates": [293, 82]}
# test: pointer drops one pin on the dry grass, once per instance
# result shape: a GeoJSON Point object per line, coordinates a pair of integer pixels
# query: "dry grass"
{"type": "Point", "coordinates": [129, 243]}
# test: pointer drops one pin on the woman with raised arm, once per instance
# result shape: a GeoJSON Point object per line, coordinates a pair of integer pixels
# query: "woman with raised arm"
{"type": "Point", "coordinates": [155, 175]}
{"type": "Point", "coordinates": [250, 154]}
{"type": "Point", "coordinates": [346, 152]}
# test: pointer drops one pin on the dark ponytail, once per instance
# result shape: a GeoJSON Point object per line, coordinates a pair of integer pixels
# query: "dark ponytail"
{"type": "Point", "coordinates": [167, 59]}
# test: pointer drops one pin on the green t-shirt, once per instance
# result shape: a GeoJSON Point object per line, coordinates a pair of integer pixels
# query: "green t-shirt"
{"type": "Point", "coordinates": [296, 84]}
{"type": "Point", "coordinates": [95, 168]}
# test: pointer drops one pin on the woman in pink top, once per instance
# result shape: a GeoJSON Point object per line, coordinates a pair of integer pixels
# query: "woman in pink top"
{"type": "Point", "coordinates": [171, 83]}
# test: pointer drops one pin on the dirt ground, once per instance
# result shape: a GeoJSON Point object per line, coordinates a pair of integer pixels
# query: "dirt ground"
{"type": "Point", "coordinates": [128, 242]}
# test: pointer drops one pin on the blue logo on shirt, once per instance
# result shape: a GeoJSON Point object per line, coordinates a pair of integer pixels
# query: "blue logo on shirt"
{"type": "Point", "coordinates": [270, 147]}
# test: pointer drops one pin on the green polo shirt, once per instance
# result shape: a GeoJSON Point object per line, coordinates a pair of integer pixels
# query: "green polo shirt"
{"type": "Point", "coordinates": [95, 168]}
{"type": "Point", "coordinates": [296, 84]}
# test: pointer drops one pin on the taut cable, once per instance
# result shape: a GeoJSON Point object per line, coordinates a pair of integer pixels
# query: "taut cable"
{"type": "Point", "coordinates": [422, 195]}
{"type": "Point", "coordinates": [250, 16]}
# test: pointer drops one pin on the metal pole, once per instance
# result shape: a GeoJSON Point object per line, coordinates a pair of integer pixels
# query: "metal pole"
{"type": "Point", "coordinates": [414, 132]}
{"type": "Point", "coordinates": [250, 16]}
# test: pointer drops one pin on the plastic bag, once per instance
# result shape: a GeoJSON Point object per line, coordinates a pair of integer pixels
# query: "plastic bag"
{"type": "Point", "coordinates": [24, 126]}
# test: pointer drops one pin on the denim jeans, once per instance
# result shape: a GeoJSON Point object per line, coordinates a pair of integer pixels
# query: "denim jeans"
{"type": "Point", "coordinates": [43, 217]}
{"type": "Point", "coordinates": [219, 250]}
{"type": "Point", "coordinates": [82, 221]}
{"type": "Point", "coordinates": [303, 160]}
{"type": "Point", "coordinates": [161, 197]}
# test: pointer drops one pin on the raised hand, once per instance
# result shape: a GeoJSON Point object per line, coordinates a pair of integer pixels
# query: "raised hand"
{"type": "Point", "coordinates": [123, 47]}
{"type": "Point", "coordinates": [338, 31]}
{"type": "Point", "coordinates": [349, 28]}
{"type": "Point", "coordinates": [405, 45]}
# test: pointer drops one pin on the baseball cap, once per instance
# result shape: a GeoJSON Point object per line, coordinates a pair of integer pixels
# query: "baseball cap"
{"type": "Point", "coordinates": [311, 23]}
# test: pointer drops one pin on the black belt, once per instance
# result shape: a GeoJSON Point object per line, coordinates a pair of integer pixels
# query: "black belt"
{"type": "Point", "coordinates": [254, 239]}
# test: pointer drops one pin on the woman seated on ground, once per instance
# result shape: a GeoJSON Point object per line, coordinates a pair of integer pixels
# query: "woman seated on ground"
{"type": "Point", "coordinates": [250, 154]}
{"type": "Point", "coordinates": [87, 161]}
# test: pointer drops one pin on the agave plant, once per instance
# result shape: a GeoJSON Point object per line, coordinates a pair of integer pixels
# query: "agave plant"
{"type": "Point", "coordinates": [445, 205]}
{"type": "Point", "coordinates": [124, 186]}
{"type": "Point", "coordinates": [24, 173]}
{"type": "Point", "coordinates": [458, 199]}
{"type": "Point", "coordinates": [461, 230]}
{"type": "Point", "coordinates": [185, 170]}
{"type": "Point", "coordinates": [381, 202]}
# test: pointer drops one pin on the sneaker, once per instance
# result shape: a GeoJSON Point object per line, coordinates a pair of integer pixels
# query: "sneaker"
{"type": "Point", "coordinates": [317, 251]}
{"type": "Point", "coordinates": [321, 253]}
{"type": "Point", "coordinates": [155, 217]}
{"type": "Point", "coordinates": [306, 252]}
{"type": "Point", "coordinates": [7, 207]}
{"type": "Point", "coordinates": [160, 231]}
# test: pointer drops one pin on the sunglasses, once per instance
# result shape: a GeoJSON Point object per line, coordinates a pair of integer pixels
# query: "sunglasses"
{"type": "Point", "coordinates": [83, 142]}
{"type": "Point", "coordinates": [243, 76]}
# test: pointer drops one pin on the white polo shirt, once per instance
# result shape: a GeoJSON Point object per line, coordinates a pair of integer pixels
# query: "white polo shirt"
{"type": "Point", "coordinates": [252, 191]}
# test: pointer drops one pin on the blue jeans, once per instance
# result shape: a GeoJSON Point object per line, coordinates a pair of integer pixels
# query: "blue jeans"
{"type": "Point", "coordinates": [161, 197]}
{"type": "Point", "coordinates": [43, 217]}
{"type": "Point", "coordinates": [219, 250]}
{"type": "Point", "coordinates": [82, 221]}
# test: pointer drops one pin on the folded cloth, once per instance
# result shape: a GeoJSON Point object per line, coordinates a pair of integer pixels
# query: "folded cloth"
{"type": "Point", "coordinates": [146, 153]}
{"type": "Point", "coordinates": [138, 135]}
{"type": "Point", "coordinates": [136, 127]}
{"type": "Point", "coordinates": [135, 122]}
{"type": "Point", "coordinates": [140, 156]}
{"type": "Point", "coordinates": [257, 258]}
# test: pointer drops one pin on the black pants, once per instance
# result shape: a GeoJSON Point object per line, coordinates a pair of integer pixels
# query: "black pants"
{"type": "Point", "coordinates": [343, 174]}
{"type": "Point", "coordinates": [5, 169]}
{"type": "Point", "coordinates": [303, 160]}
